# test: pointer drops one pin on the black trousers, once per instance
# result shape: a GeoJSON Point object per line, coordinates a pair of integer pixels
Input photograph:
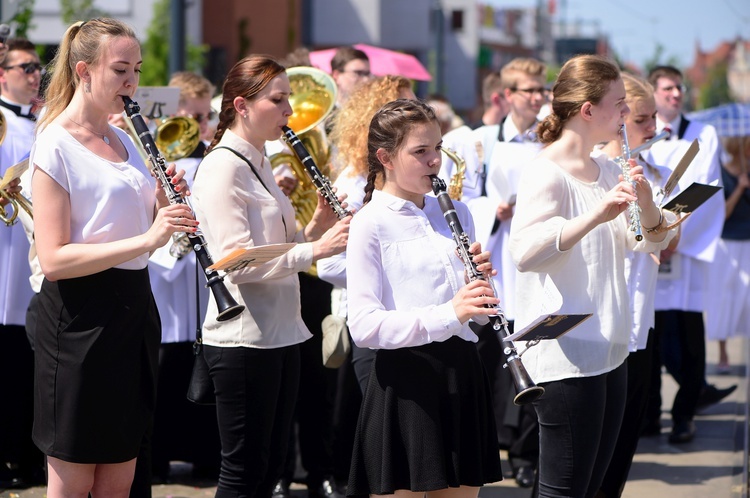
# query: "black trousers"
{"type": "Point", "coordinates": [314, 415]}
{"type": "Point", "coordinates": [256, 392]}
{"type": "Point", "coordinates": [639, 383]}
{"type": "Point", "coordinates": [579, 420]}
{"type": "Point", "coordinates": [681, 342]}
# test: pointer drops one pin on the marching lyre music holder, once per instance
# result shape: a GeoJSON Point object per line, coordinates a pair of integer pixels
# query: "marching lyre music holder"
{"type": "Point", "coordinates": [254, 256]}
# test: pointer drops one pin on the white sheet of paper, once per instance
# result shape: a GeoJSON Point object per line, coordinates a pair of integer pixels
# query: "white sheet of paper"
{"type": "Point", "coordinates": [549, 304]}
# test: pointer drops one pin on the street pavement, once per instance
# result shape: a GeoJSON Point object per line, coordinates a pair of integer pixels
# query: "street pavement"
{"type": "Point", "coordinates": [713, 465]}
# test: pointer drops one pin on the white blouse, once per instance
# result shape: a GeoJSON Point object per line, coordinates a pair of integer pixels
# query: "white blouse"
{"type": "Point", "coordinates": [15, 291]}
{"type": "Point", "coordinates": [590, 276]}
{"type": "Point", "coordinates": [402, 272]}
{"type": "Point", "coordinates": [236, 211]}
{"type": "Point", "coordinates": [109, 200]}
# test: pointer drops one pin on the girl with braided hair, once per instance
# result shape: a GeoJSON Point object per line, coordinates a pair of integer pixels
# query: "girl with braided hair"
{"type": "Point", "coordinates": [426, 423]}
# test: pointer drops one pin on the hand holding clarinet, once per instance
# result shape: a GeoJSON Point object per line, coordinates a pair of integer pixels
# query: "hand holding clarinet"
{"type": "Point", "coordinates": [479, 282]}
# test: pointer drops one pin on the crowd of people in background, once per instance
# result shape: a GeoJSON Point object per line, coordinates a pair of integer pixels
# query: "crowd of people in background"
{"type": "Point", "coordinates": [101, 303]}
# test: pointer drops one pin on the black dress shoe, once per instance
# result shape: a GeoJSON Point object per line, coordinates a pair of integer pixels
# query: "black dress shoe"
{"type": "Point", "coordinates": [525, 476]}
{"type": "Point", "coordinates": [281, 490]}
{"type": "Point", "coordinates": [710, 395]}
{"type": "Point", "coordinates": [682, 432]}
{"type": "Point", "coordinates": [326, 489]}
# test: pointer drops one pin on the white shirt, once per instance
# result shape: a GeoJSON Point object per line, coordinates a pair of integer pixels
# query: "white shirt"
{"type": "Point", "coordinates": [333, 269]}
{"type": "Point", "coordinates": [173, 282]}
{"type": "Point", "coordinates": [402, 272]}
{"type": "Point", "coordinates": [236, 211]}
{"type": "Point", "coordinates": [590, 276]}
{"type": "Point", "coordinates": [685, 288]}
{"type": "Point", "coordinates": [109, 200]}
{"type": "Point", "coordinates": [15, 291]}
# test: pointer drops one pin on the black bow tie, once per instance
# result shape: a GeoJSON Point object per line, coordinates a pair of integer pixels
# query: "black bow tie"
{"type": "Point", "coordinates": [17, 110]}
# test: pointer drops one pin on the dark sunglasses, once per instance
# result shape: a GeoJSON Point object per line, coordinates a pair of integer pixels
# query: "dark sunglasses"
{"type": "Point", "coordinates": [28, 67]}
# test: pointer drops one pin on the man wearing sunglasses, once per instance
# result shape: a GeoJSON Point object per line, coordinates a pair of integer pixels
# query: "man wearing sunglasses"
{"type": "Point", "coordinates": [20, 74]}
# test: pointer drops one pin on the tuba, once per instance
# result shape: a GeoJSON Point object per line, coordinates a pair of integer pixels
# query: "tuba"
{"type": "Point", "coordinates": [312, 100]}
{"type": "Point", "coordinates": [177, 137]}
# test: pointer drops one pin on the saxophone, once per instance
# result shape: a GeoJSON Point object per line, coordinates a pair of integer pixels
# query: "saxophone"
{"type": "Point", "coordinates": [456, 185]}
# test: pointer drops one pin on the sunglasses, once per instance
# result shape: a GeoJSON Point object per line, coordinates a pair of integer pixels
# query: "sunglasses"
{"type": "Point", "coordinates": [28, 67]}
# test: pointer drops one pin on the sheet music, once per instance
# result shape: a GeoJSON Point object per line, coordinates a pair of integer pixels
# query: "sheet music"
{"type": "Point", "coordinates": [255, 256]}
{"type": "Point", "coordinates": [14, 172]}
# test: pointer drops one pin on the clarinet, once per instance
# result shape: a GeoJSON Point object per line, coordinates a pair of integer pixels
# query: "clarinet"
{"type": "Point", "coordinates": [526, 390]}
{"type": "Point", "coordinates": [321, 182]}
{"type": "Point", "coordinates": [634, 211]}
{"type": "Point", "coordinates": [228, 307]}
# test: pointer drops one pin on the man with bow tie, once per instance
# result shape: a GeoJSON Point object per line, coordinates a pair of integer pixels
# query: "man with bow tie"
{"type": "Point", "coordinates": [20, 76]}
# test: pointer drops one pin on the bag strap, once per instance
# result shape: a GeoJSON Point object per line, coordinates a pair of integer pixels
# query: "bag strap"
{"type": "Point", "coordinates": [254, 171]}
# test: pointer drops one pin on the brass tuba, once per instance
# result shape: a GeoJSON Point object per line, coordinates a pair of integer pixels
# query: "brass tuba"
{"type": "Point", "coordinates": [177, 137]}
{"type": "Point", "coordinates": [312, 100]}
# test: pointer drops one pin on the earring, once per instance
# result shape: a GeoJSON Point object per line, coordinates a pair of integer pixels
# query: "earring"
{"type": "Point", "coordinates": [87, 87]}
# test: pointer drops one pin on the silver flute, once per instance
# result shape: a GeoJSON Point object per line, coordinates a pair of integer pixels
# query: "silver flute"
{"type": "Point", "coordinates": [634, 211]}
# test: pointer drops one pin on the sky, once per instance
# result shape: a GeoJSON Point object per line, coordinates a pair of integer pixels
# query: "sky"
{"type": "Point", "coordinates": [635, 27]}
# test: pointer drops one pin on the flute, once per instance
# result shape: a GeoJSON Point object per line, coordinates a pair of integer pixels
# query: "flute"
{"type": "Point", "coordinates": [634, 210]}
{"type": "Point", "coordinates": [227, 306]}
{"type": "Point", "coordinates": [526, 390]}
{"type": "Point", "coordinates": [321, 182]}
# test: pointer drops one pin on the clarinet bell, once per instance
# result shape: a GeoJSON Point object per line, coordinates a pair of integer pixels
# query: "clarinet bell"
{"type": "Point", "coordinates": [527, 391]}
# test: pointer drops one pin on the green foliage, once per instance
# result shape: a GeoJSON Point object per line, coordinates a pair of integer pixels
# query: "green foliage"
{"type": "Point", "coordinates": [23, 17]}
{"type": "Point", "coordinates": [244, 39]}
{"type": "Point", "coordinates": [155, 68]}
{"type": "Point", "coordinates": [659, 59]}
{"type": "Point", "coordinates": [79, 10]}
{"type": "Point", "coordinates": [715, 90]}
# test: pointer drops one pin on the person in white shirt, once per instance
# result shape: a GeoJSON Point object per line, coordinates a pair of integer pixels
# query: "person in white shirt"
{"type": "Point", "coordinates": [254, 359]}
{"type": "Point", "coordinates": [426, 421]}
{"type": "Point", "coordinates": [20, 75]}
{"type": "Point", "coordinates": [349, 136]}
{"type": "Point", "coordinates": [97, 216]}
{"type": "Point", "coordinates": [682, 293]}
{"type": "Point", "coordinates": [569, 233]}
{"type": "Point", "coordinates": [642, 269]}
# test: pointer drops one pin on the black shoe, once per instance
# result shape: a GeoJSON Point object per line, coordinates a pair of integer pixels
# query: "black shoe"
{"type": "Point", "coordinates": [326, 489]}
{"type": "Point", "coordinates": [682, 432]}
{"type": "Point", "coordinates": [525, 476]}
{"type": "Point", "coordinates": [281, 490]}
{"type": "Point", "coordinates": [711, 395]}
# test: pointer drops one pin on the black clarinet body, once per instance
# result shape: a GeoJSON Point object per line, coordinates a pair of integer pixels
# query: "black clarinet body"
{"type": "Point", "coordinates": [227, 306]}
{"type": "Point", "coordinates": [526, 390]}
{"type": "Point", "coordinates": [321, 182]}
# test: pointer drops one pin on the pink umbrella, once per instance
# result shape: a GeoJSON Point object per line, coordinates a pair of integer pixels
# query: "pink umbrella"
{"type": "Point", "coordinates": [382, 62]}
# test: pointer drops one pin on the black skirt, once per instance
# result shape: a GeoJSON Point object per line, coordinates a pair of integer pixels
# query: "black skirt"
{"type": "Point", "coordinates": [426, 422]}
{"type": "Point", "coordinates": [96, 354]}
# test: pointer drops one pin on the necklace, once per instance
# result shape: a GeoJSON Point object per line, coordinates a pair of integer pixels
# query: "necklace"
{"type": "Point", "coordinates": [103, 136]}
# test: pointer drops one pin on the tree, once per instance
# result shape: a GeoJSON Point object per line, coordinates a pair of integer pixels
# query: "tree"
{"type": "Point", "coordinates": [21, 20]}
{"type": "Point", "coordinates": [659, 59]}
{"type": "Point", "coordinates": [155, 68]}
{"type": "Point", "coordinates": [715, 90]}
{"type": "Point", "coordinates": [79, 10]}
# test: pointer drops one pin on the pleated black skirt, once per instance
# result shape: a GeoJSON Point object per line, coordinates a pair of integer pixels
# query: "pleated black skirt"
{"type": "Point", "coordinates": [426, 422]}
{"type": "Point", "coordinates": [96, 352]}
